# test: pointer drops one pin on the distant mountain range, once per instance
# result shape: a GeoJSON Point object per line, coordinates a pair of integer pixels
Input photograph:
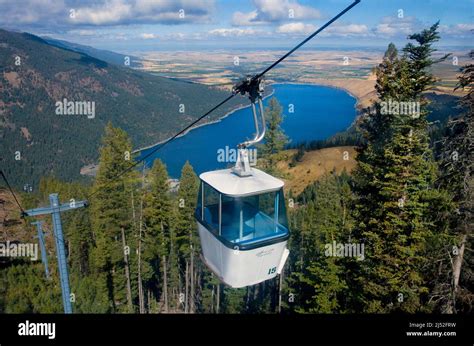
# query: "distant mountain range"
{"type": "Point", "coordinates": [105, 55]}
{"type": "Point", "coordinates": [48, 89]}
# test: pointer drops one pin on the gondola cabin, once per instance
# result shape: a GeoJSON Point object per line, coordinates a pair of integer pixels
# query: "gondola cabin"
{"type": "Point", "coordinates": [242, 226]}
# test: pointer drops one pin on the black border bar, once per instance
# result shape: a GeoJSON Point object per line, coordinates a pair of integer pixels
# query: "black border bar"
{"type": "Point", "coordinates": [175, 329]}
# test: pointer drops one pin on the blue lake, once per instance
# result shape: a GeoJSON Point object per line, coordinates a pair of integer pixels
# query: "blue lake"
{"type": "Point", "coordinates": [318, 113]}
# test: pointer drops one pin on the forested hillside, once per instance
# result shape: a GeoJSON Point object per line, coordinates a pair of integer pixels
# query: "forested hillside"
{"type": "Point", "coordinates": [105, 55]}
{"type": "Point", "coordinates": [36, 141]}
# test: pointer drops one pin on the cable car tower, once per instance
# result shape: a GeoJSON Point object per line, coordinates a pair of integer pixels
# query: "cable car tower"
{"type": "Point", "coordinates": [44, 255]}
{"type": "Point", "coordinates": [55, 209]}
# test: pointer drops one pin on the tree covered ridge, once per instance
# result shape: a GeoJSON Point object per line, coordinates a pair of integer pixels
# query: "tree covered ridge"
{"type": "Point", "coordinates": [34, 75]}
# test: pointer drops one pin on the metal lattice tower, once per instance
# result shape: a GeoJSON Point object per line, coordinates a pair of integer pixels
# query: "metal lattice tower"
{"type": "Point", "coordinates": [55, 209]}
{"type": "Point", "coordinates": [44, 255]}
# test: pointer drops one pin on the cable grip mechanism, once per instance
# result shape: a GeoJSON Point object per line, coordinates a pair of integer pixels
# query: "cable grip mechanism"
{"type": "Point", "coordinates": [254, 87]}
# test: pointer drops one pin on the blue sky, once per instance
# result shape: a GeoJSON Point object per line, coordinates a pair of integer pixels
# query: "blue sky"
{"type": "Point", "coordinates": [136, 25]}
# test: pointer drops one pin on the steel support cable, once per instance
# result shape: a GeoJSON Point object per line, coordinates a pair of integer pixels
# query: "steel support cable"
{"type": "Point", "coordinates": [13, 194]}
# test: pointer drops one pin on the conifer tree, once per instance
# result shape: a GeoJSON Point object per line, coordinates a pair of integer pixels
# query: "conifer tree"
{"type": "Point", "coordinates": [158, 218]}
{"type": "Point", "coordinates": [187, 239]}
{"type": "Point", "coordinates": [234, 300]}
{"type": "Point", "coordinates": [110, 208]}
{"type": "Point", "coordinates": [275, 138]}
{"type": "Point", "coordinates": [316, 278]}
{"type": "Point", "coordinates": [394, 182]}
{"type": "Point", "coordinates": [28, 291]}
{"type": "Point", "coordinates": [457, 168]}
{"type": "Point", "coordinates": [210, 292]}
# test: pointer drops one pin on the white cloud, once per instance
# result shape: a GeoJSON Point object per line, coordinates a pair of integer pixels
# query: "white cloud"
{"type": "Point", "coordinates": [61, 13]}
{"type": "Point", "coordinates": [391, 26]}
{"type": "Point", "coordinates": [248, 18]}
{"type": "Point", "coordinates": [52, 17]}
{"type": "Point", "coordinates": [112, 12]}
{"type": "Point", "coordinates": [464, 27]}
{"type": "Point", "coordinates": [335, 30]}
{"type": "Point", "coordinates": [461, 29]}
{"type": "Point", "coordinates": [147, 36]}
{"type": "Point", "coordinates": [83, 32]}
{"type": "Point", "coordinates": [30, 11]}
{"type": "Point", "coordinates": [347, 30]}
{"type": "Point", "coordinates": [271, 11]}
{"type": "Point", "coordinates": [296, 28]}
{"type": "Point", "coordinates": [233, 32]}
{"type": "Point", "coordinates": [177, 36]}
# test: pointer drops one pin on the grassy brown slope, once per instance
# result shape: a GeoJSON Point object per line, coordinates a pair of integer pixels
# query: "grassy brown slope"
{"type": "Point", "coordinates": [314, 165]}
{"type": "Point", "coordinates": [12, 227]}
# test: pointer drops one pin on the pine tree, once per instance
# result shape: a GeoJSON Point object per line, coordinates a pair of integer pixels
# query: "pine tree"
{"type": "Point", "coordinates": [275, 138]}
{"type": "Point", "coordinates": [457, 166]}
{"type": "Point", "coordinates": [28, 291]}
{"type": "Point", "coordinates": [394, 183]}
{"type": "Point", "coordinates": [209, 295]}
{"type": "Point", "coordinates": [110, 208]}
{"type": "Point", "coordinates": [187, 239]}
{"type": "Point", "coordinates": [79, 236]}
{"type": "Point", "coordinates": [233, 300]}
{"type": "Point", "coordinates": [316, 278]}
{"type": "Point", "coordinates": [158, 218]}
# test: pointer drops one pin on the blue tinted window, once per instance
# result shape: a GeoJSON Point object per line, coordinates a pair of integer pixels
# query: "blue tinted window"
{"type": "Point", "coordinates": [211, 206]}
{"type": "Point", "coordinates": [243, 220]}
{"type": "Point", "coordinates": [254, 218]}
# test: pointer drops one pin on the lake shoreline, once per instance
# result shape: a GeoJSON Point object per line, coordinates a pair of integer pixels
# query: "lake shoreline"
{"type": "Point", "coordinates": [346, 90]}
{"type": "Point", "coordinates": [243, 107]}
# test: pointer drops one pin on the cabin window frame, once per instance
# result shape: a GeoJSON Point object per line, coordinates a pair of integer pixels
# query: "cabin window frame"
{"type": "Point", "coordinates": [281, 229]}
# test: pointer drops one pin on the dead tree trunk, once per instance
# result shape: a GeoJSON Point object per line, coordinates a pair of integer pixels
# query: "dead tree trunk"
{"type": "Point", "coordinates": [127, 272]}
{"type": "Point", "coordinates": [191, 272]}
{"type": "Point", "coordinates": [140, 286]}
{"type": "Point", "coordinates": [180, 290]}
{"type": "Point", "coordinates": [141, 295]}
{"type": "Point", "coordinates": [165, 274]}
{"type": "Point", "coordinates": [457, 265]}
{"type": "Point", "coordinates": [133, 212]}
{"type": "Point", "coordinates": [165, 284]}
{"type": "Point", "coordinates": [186, 283]}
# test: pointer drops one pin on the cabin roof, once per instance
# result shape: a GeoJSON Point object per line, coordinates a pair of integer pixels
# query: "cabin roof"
{"type": "Point", "coordinates": [229, 183]}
